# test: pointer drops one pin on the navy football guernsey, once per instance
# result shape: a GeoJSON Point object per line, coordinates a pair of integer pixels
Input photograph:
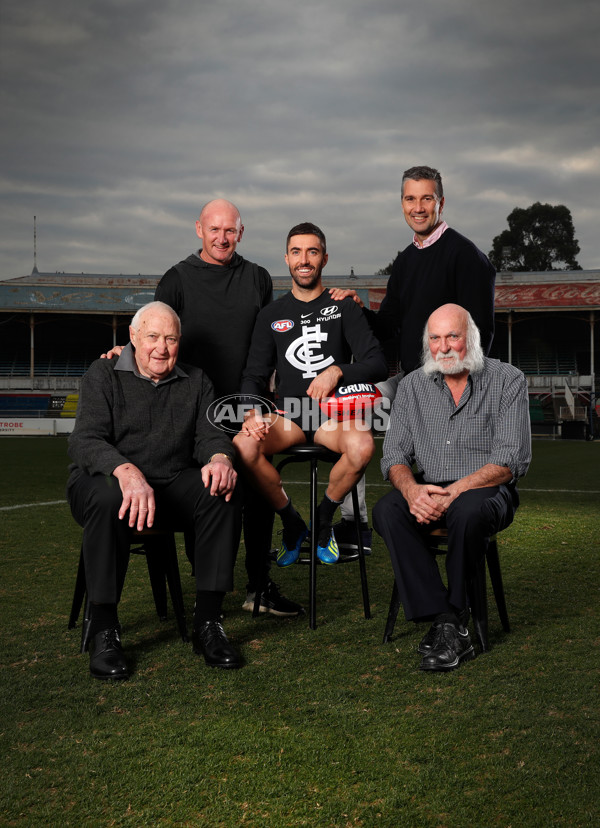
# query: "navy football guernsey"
{"type": "Point", "coordinates": [301, 339]}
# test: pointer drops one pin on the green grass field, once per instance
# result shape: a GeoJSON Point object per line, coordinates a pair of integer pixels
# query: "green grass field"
{"type": "Point", "coordinates": [321, 728]}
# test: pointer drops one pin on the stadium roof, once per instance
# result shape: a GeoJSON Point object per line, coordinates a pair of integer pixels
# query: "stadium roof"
{"type": "Point", "coordinates": [109, 293]}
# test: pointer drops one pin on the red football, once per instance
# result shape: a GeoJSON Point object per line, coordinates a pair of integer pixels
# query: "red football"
{"type": "Point", "coordinates": [349, 401]}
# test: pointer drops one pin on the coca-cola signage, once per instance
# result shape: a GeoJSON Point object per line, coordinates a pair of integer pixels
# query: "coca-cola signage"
{"type": "Point", "coordinates": [557, 295]}
{"type": "Point", "coordinates": [571, 295]}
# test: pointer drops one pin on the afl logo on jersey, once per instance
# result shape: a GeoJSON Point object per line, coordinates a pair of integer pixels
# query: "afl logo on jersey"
{"type": "Point", "coordinates": [329, 311]}
{"type": "Point", "coordinates": [282, 325]}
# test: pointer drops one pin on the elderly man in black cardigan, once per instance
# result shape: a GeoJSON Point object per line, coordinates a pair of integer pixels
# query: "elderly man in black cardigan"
{"type": "Point", "coordinates": [143, 446]}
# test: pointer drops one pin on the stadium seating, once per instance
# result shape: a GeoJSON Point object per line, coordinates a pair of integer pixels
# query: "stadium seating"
{"type": "Point", "coordinates": [24, 405]}
{"type": "Point", "coordinates": [70, 406]}
{"type": "Point", "coordinates": [544, 359]}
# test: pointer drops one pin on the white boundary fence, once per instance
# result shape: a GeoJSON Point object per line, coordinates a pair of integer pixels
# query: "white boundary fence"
{"type": "Point", "coordinates": [28, 426]}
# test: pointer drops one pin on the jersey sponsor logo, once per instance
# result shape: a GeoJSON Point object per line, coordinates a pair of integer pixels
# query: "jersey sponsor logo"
{"type": "Point", "coordinates": [329, 311]}
{"type": "Point", "coordinates": [305, 315]}
{"type": "Point", "coordinates": [305, 353]}
{"type": "Point", "coordinates": [328, 318]}
{"type": "Point", "coordinates": [282, 325]}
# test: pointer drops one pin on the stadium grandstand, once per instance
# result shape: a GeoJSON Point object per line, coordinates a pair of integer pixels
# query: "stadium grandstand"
{"type": "Point", "coordinates": [53, 325]}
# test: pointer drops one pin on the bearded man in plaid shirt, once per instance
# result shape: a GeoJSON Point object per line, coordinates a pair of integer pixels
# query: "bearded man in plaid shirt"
{"type": "Point", "coordinates": [458, 440]}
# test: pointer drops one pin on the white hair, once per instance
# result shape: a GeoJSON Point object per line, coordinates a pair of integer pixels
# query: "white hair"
{"type": "Point", "coordinates": [154, 306]}
{"type": "Point", "coordinates": [473, 360]}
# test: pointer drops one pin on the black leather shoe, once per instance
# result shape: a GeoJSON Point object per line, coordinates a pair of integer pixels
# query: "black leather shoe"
{"type": "Point", "coordinates": [428, 640]}
{"type": "Point", "coordinates": [107, 660]}
{"type": "Point", "coordinates": [211, 642]}
{"type": "Point", "coordinates": [452, 646]}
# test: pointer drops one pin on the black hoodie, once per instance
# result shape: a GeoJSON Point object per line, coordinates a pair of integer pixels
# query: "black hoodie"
{"type": "Point", "coordinates": [217, 305]}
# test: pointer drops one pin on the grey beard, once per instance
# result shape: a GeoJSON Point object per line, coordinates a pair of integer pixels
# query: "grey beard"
{"type": "Point", "coordinates": [472, 363]}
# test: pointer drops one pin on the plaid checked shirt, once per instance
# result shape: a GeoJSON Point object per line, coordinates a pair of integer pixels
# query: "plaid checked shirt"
{"type": "Point", "coordinates": [447, 441]}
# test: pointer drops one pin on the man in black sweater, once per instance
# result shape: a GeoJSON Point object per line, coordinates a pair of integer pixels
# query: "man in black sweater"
{"type": "Point", "coordinates": [438, 267]}
{"type": "Point", "coordinates": [313, 345]}
{"type": "Point", "coordinates": [143, 446]}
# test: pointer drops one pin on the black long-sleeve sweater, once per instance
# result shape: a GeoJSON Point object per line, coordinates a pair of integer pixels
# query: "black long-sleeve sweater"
{"type": "Point", "coordinates": [160, 428]}
{"type": "Point", "coordinates": [452, 269]}
{"type": "Point", "coordinates": [217, 305]}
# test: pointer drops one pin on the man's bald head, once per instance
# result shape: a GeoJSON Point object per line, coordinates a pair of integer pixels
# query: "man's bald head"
{"type": "Point", "coordinates": [219, 205]}
{"type": "Point", "coordinates": [449, 315]}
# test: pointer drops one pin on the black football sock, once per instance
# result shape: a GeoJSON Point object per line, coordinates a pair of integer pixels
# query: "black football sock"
{"type": "Point", "coordinates": [325, 515]}
{"type": "Point", "coordinates": [103, 617]}
{"type": "Point", "coordinates": [208, 607]}
{"type": "Point", "coordinates": [293, 525]}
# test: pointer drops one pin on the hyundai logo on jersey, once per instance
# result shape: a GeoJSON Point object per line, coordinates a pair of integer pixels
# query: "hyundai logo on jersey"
{"type": "Point", "coordinates": [328, 311]}
{"type": "Point", "coordinates": [282, 325]}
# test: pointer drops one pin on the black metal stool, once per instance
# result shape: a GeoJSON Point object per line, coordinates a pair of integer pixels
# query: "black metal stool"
{"type": "Point", "coordinates": [476, 590]}
{"type": "Point", "coordinates": [158, 545]}
{"type": "Point", "coordinates": [312, 453]}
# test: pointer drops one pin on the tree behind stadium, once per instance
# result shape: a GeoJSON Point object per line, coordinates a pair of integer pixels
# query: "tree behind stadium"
{"type": "Point", "coordinates": [540, 237]}
{"type": "Point", "coordinates": [386, 271]}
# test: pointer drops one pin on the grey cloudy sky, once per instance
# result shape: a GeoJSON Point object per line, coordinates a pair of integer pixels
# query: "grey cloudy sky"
{"type": "Point", "coordinates": [122, 117]}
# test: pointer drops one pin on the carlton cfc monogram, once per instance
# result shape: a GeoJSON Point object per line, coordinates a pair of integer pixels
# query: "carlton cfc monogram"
{"type": "Point", "coordinates": [305, 352]}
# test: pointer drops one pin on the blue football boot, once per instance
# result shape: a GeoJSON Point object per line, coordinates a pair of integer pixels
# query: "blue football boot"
{"type": "Point", "coordinates": [329, 554]}
{"type": "Point", "coordinates": [289, 555]}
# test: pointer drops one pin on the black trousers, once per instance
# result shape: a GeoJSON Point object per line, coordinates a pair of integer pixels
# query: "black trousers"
{"type": "Point", "coordinates": [470, 519]}
{"type": "Point", "coordinates": [259, 517]}
{"type": "Point", "coordinates": [95, 501]}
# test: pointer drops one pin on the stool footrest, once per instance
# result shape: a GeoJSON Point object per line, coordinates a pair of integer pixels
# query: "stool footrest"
{"type": "Point", "coordinates": [313, 454]}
